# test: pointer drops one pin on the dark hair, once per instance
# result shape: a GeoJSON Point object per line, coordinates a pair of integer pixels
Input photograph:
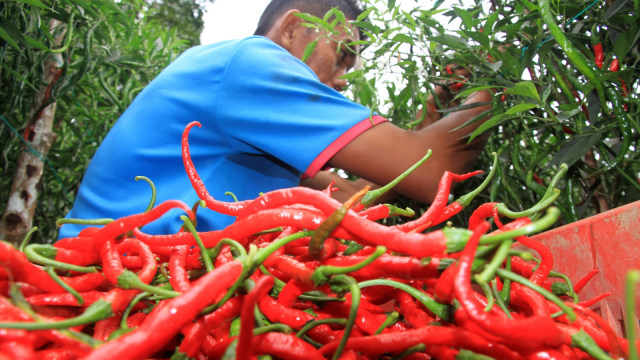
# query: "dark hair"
{"type": "Point", "coordinates": [351, 9]}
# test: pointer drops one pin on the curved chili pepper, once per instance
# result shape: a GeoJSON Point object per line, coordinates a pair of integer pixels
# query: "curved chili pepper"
{"type": "Point", "coordinates": [197, 183]}
{"type": "Point", "coordinates": [128, 223]}
{"type": "Point", "coordinates": [443, 290]}
{"type": "Point", "coordinates": [580, 284]}
{"type": "Point", "coordinates": [296, 319]}
{"type": "Point", "coordinates": [194, 339]}
{"type": "Point", "coordinates": [284, 346]}
{"type": "Point", "coordinates": [391, 266]}
{"type": "Point", "coordinates": [376, 345]}
{"type": "Point", "coordinates": [179, 279]}
{"type": "Point", "coordinates": [439, 202]}
{"type": "Point", "coordinates": [245, 344]}
{"type": "Point", "coordinates": [176, 313]}
{"type": "Point", "coordinates": [538, 330]}
{"type": "Point", "coordinates": [22, 270]}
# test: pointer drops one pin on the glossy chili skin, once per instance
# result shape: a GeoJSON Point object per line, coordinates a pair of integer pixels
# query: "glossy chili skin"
{"type": "Point", "coordinates": [23, 270]}
{"type": "Point", "coordinates": [245, 340]}
{"type": "Point", "coordinates": [539, 330]}
{"type": "Point", "coordinates": [176, 313]}
{"type": "Point", "coordinates": [395, 343]}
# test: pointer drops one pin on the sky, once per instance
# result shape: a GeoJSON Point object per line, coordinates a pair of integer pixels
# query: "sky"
{"type": "Point", "coordinates": [233, 19]}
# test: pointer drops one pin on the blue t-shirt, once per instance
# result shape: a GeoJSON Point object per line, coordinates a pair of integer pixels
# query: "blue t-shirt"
{"type": "Point", "coordinates": [266, 122]}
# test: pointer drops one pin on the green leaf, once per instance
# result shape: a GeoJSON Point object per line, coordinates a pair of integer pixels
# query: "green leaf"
{"type": "Point", "coordinates": [480, 37]}
{"type": "Point", "coordinates": [489, 124]}
{"type": "Point", "coordinates": [309, 49]}
{"type": "Point", "coordinates": [11, 34]}
{"type": "Point", "coordinates": [452, 41]}
{"type": "Point", "coordinates": [35, 43]}
{"type": "Point", "coordinates": [525, 88]}
{"type": "Point", "coordinates": [574, 149]}
{"type": "Point", "coordinates": [520, 108]}
{"type": "Point", "coordinates": [626, 40]}
{"type": "Point", "coordinates": [403, 38]}
{"type": "Point", "coordinates": [36, 3]}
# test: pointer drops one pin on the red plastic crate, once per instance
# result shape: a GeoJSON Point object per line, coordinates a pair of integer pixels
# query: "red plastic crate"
{"type": "Point", "coordinates": [609, 241]}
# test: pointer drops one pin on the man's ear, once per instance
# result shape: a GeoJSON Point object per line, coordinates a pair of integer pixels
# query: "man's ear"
{"type": "Point", "coordinates": [287, 28]}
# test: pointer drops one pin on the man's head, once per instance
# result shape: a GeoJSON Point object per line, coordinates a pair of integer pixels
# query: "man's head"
{"type": "Point", "coordinates": [331, 59]}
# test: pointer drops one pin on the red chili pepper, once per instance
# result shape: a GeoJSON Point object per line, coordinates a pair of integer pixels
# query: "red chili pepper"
{"type": "Point", "coordinates": [439, 202]}
{"type": "Point", "coordinates": [284, 346]}
{"type": "Point", "coordinates": [128, 223]}
{"type": "Point", "coordinates": [104, 328]}
{"type": "Point", "coordinates": [197, 183]}
{"type": "Point", "coordinates": [443, 291]}
{"type": "Point", "coordinates": [481, 213]}
{"type": "Point", "coordinates": [23, 270]}
{"type": "Point", "coordinates": [599, 55]}
{"type": "Point", "coordinates": [538, 330]}
{"type": "Point", "coordinates": [390, 266]}
{"type": "Point", "coordinates": [296, 319]}
{"type": "Point", "coordinates": [149, 264]}
{"type": "Point", "coordinates": [395, 343]}
{"type": "Point", "coordinates": [174, 315]}
{"type": "Point", "coordinates": [245, 345]}
{"type": "Point", "coordinates": [580, 284]}
{"type": "Point", "coordinates": [415, 315]}
{"type": "Point", "coordinates": [179, 279]}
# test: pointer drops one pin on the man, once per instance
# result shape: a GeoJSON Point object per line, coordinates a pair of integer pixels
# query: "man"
{"type": "Point", "coordinates": [269, 121]}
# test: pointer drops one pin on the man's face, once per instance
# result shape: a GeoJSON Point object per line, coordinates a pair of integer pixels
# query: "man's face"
{"type": "Point", "coordinates": [331, 58]}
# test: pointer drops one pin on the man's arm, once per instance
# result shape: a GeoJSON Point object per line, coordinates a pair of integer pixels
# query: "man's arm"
{"type": "Point", "coordinates": [383, 152]}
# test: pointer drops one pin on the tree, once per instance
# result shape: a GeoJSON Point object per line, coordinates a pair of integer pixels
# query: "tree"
{"type": "Point", "coordinates": [107, 53]}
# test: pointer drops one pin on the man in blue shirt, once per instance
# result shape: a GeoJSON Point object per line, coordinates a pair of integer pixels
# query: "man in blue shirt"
{"type": "Point", "coordinates": [269, 121]}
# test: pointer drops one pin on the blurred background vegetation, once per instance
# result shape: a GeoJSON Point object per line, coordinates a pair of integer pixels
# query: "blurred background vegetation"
{"type": "Point", "coordinates": [553, 104]}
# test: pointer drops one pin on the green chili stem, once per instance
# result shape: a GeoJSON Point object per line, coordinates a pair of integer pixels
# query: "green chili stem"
{"type": "Point", "coordinates": [215, 251]}
{"type": "Point", "coordinates": [489, 271]}
{"type": "Point", "coordinates": [27, 238]}
{"type": "Point", "coordinates": [353, 311]}
{"type": "Point", "coordinates": [372, 195]}
{"type": "Point", "coordinates": [52, 273]}
{"type": "Point", "coordinates": [104, 221]}
{"type": "Point", "coordinates": [37, 254]}
{"type": "Point", "coordinates": [409, 351]}
{"type": "Point", "coordinates": [631, 286]}
{"type": "Point", "coordinates": [542, 204]}
{"type": "Point", "coordinates": [264, 253]}
{"type": "Point", "coordinates": [152, 202]}
{"type": "Point", "coordinates": [310, 325]}
{"type": "Point", "coordinates": [552, 215]}
{"type": "Point", "coordinates": [99, 310]}
{"type": "Point", "coordinates": [443, 311]}
{"type": "Point", "coordinates": [465, 199]}
{"type": "Point", "coordinates": [129, 280]}
{"type": "Point", "coordinates": [585, 342]}
{"type": "Point", "coordinates": [498, 298]}
{"type": "Point", "coordinates": [322, 273]}
{"type": "Point", "coordinates": [571, 315]}
{"type": "Point", "coordinates": [203, 250]}
{"type": "Point", "coordinates": [271, 328]}
{"type": "Point", "coordinates": [127, 311]}
{"type": "Point", "coordinates": [488, 294]}
{"type": "Point", "coordinates": [392, 318]}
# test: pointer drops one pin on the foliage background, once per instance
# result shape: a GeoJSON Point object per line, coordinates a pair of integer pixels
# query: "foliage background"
{"type": "Point", "coordinates": [546, 108]}
{"type": "Point", "coordinates": [113, 49]}
{"type": "Point", "coordinates": [546, 111]}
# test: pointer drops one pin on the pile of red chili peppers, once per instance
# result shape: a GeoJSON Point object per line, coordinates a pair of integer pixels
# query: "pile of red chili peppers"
{"type": "Point", "coordinates": [299, 275]}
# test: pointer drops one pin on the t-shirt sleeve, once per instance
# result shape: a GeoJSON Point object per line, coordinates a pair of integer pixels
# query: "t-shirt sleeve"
{"type": "Point", "coordinates": [272, 103]}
